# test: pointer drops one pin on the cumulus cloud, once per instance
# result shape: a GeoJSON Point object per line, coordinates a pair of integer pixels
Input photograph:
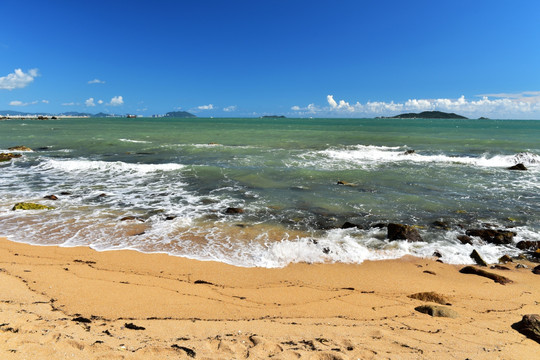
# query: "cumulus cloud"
{"type": "Point", "coordinates": [100, 102]}
{"type": "Point", "coordinates": [96, 81]}
{"type": "Point", "coordinates": [229, 108]}
{"type": "Point", "coordinates": [18, 79]}
{"type": "Point", "coordinates": [70, 104]}
{"type": "Point", "coordinates": [116, 101]}
{"type": "Point", "coordinates": [205, 107]}
{"type": "Point", "coordinates": [89, 102]}
{"type": "Point", "coordinates": [502, 105]}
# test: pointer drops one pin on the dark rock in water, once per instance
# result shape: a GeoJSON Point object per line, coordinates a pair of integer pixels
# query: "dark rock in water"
{"type": "Point", "coordinates": [437, 254]}
{"type": "Point", "coordinates": [233, 210]}
{"type": "Point", "coordinates": [477, 258]}
{"type": "Point", "coordinates": [65, 193]}
{"type": "Point", "coordinates": [132, 326]}
{"type": "Point", "coordinates": [408, 152]}
{"type": "Point", "coordinates": [465, 239]}
{"type": "Point", "coordinates": [441, 225]}
{"type": "Point", "coordinates": [437, 311]}
{"type": "Point", "coordinates": [430, 296]}
{"type": "Point", "coordinates": [43, 148]}
{"type": "Point", "coordinates": [349, 225]}
{"type": "Point", "coordinates": [528, 245]}
{"type": "Point", "coordinates": [170, 217]}
{"type": "Point", "coordinates": [102, 195]}
{"type": "Point", "coordinates": [345, 183]}
{"type": "Point", "coordinates": [51, 197]}
{"type": "Point", "coordinates": [326, 250]}
{"type": "Point", "coordinates": [504, 259]}
{"type": "Point", "coordinates": [519, 166]}
{"type": "Point", "coordinates": [403, 232]}
{"type": "Point", "coordinates": [19, 148]}
{"type": "Point", "coordinates": [498, 237]}
{"type": "Point", "coordinates": [131, 218]}
{"type": "Point", "coordinates": [529, 326]}
{"type": "Point", "coordinates": [536, 270]}
{"type": "Point", "coordinates": [8, 156]}
{"type": "Point", "coordinates": [474, 271]}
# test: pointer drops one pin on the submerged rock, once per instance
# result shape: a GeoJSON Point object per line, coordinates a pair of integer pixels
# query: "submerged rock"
{"type": "Point", "coordinates": [31, 206]}
{"type": "Point", "coordinates": [20, 148]}
{"type": "Point", "coordinates": [529, 326]}
{"type": "Point", "coordinates": [345, 183]}
{"type": "Point", "coordinates": [233, 210]}
{"type": "Point", "coordinates": [51, 197]}
{"type": "Point", "coordinates": [504, 259]}
{"type": "Point", "coordinates": [403, 232]}
{"type": "Point", "coordinates": [519, 166]}
{"type": "Point", "coordinates": [437, 311]}
{"type": "Point", "coordinates": [349, 225]}
{"type": "Point", "coordinates": [498, 237]}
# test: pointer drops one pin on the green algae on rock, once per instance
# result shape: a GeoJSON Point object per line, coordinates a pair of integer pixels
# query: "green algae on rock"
{"type": "Point", "coordinates": [31, 206]}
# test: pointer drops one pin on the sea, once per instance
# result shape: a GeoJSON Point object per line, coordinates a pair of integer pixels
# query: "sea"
{"type": "Point", "coordinates": [265, 193]}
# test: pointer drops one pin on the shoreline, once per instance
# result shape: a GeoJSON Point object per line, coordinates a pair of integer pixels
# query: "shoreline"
{"type": "Point", "coordinates": [218, 311]}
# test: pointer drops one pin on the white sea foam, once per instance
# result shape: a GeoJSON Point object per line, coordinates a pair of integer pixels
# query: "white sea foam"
{"type": "Point", "coordinates": [135, 141]}
{"type": "Point", "coordinates": [362, 155]}
{"type": "Point", "coordinates": [81, 165]}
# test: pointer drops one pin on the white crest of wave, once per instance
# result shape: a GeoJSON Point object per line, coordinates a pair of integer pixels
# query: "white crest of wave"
{"type": "Point", "coordinates": [362, 154]}
{"type": "Point", "coordinates": [135, 141]}
{"type": "Point", "coordinates": [96, 165]}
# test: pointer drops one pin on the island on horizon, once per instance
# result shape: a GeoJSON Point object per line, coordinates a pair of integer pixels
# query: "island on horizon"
{"type": "Point", "coordinates": [426, 115]}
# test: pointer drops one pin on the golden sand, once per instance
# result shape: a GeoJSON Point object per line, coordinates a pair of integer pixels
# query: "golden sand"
{"type": "Point", "coordinates": [208, 310]}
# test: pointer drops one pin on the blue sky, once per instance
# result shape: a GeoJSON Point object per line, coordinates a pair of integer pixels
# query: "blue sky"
{"type": "Point", "coordinates": [250, 58]}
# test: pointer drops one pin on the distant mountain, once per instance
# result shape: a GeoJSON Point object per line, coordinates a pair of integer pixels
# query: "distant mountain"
{"type": "Point", "coordinates": [19, 113]}
{"type": "Point", "coordinates": [68, 113]}
{"type": "Point", "coordinates": [179, 114]}
{"type": "Point", "coordinates": [75, 113]}
{"type": "Point", "coordinates": [428, 115]}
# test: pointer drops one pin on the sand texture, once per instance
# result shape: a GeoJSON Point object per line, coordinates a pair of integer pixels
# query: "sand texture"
{"type": "Point", "coordinates": [76, 303]}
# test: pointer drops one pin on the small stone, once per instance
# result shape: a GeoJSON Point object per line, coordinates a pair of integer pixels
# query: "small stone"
{"type": "Point", "coordinates": [505, 259]}
{"type": "Point", "coordinates": [536, 270]}
{"type": "Point", "coordinates": [521, 266]}
{"type": "Point", "coordinates": [403, 232]}
{"type": "Point", "coordinates": [437, 254]}
{"type": "Point", "coordinates": [51, 197]}
{"type": "Point", "coordinates": [465, 239]}
{"type": "Point", "coordinates": [430, 296]}
{"type": "Point", "coordinates": [437, 311]}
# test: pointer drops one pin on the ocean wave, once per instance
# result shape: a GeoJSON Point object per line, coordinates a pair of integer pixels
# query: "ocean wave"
{"type": "Point", "coordinates": [362, 155]}
{"type": "Point", "coordinates": [135, 141]}
{"type": "Point", "coordinates": [84, 165]}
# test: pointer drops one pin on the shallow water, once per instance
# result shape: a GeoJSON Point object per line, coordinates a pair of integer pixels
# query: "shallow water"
{"type": "Point", "coordinates": [179, 175]}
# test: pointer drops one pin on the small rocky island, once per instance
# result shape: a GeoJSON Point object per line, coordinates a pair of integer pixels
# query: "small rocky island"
{"type": "Point", "coordinates": [428, 115]}
{"type": "Point", "coordinates": [179, 114]}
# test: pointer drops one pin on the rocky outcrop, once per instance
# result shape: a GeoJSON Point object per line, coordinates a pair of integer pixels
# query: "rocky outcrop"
{"type": "Point", "coordinates": [465, 239]}
{"type": "Point", "coordinates": [403, 232]}
{"type": "Point", "coordinates": [529, 326]}
{"type": "Point", "coordinates": [8, 156]}
{"type": "Point", "coordinates": [31, 206]}
{"type": "Point", "coordinates": [528, 245]}
{"type": "Point", "coordinates": [495, 277]}
{"type": "Point", "coordinates": [19, 148]}
{"type": "Point", "coordinates": [350, 225]}
{"type": "Point", "coordinates": [498, 237]}
{"type": "Point", "coordinates": [437, 311]}
{"type": "Point", "coordinates": [519, 166]}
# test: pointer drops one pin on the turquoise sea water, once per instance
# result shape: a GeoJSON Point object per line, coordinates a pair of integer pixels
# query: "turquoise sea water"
{"type": "Point", "coordinates": [178, 177]}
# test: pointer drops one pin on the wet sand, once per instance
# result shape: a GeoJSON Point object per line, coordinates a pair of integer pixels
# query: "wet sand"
{"type": "Point", "coordinates": [59, 303]}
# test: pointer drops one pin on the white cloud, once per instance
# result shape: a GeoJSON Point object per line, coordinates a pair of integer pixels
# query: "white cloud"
{"type": "Point", "coordinates": [100, 102]}
{"type": "Point", "coordinates": [18, 79]}
{"type": "Point", "coordinates": [525, 104]}
{"type": "Point", "coordinates": [117, 100]}
{"type": "Point", "coordinates": [20, 103]}
{"type": "Point", "coordinates": [230, 108]}
{"type": "Point", "coordinates": [205, 107]}
{"type": "Point", "coordinates": [96, 81]}
{"type": "Point", "coordinates": [70, 104]}
{"type": "Point", "coordinates": [89, 102]}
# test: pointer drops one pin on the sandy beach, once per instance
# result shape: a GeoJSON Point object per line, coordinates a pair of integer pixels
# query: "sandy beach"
{"type": "Point", "coordinates": [78, 303]}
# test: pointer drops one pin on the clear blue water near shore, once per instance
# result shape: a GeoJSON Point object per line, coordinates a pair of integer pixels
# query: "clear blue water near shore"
{"type": "Point", "coordinates": [178, 176]}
